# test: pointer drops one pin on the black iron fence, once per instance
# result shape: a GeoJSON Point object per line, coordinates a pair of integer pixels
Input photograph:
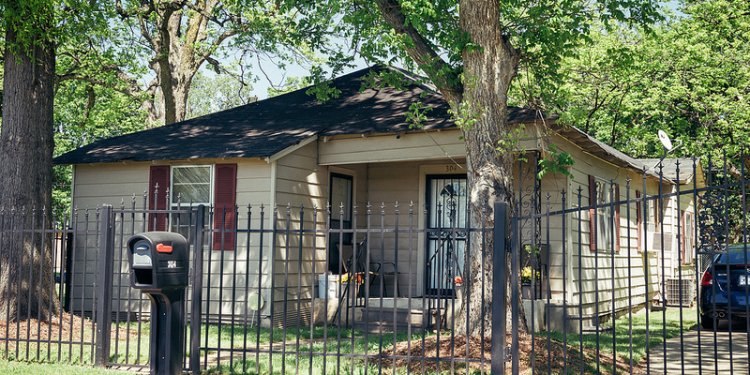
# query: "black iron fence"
{"type": "Point", "coordinates": [633, 273]}
{"type": "Point", "coordinates": [639, 273]}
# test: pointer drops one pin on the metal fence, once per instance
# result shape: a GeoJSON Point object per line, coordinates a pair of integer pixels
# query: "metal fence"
{"type": "Point", "coordinates": [602, 276]}
{"type": "Point", "coordinates": [641, 273]}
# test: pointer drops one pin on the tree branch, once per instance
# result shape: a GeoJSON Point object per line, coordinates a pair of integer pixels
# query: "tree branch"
{"type": "Point", "coordinates": [131, 87]}
{"type": "Point", "coordinates": [422, 52]}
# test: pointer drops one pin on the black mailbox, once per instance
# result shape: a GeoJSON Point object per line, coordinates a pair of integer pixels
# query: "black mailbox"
{"type": "Point", "coordinates": [159, 260]}
{"type": "Point", "coordinates": [159, 268]}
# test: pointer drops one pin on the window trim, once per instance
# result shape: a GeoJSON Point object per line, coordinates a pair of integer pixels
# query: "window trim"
{"type": "Point", "coordinates": [604, 208]}
{"type": "Point", "coordinates": [639, 219]}
{"type": "Point", "coordinates": [611, 239]}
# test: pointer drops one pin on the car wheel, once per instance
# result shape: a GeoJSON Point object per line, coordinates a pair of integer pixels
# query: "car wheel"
{"type": "Point", "coordinates": [707, 322]}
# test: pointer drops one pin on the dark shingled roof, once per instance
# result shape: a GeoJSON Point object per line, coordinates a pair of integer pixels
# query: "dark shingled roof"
{"type": "Point", "coordinates": [264, 128]}
{"type": "Point", "coordinates": [597, 148]}
{"type": "Point", "coordinates": [669, 167]}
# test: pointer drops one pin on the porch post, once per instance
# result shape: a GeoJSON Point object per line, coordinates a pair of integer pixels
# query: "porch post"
{"type": "Point", "coordinates": [499, 289]}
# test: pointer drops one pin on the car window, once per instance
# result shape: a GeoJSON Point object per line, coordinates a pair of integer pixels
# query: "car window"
{"type": "Point", "coordinates": [736, 255]}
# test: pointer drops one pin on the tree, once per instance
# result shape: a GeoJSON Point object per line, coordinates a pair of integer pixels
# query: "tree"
{"type": "Point", "coordinates": [217, 93]}
{"type": "Point", "coordinates": [85, 112]}
{"type": "Point", "coordinates": [471, 51]}
{"type": "Point", "coordinates": [178, 37]}
{"type": "Point", "coordinates": [689, 77]}
{"type": "Point", "coordinates": [26, 145]}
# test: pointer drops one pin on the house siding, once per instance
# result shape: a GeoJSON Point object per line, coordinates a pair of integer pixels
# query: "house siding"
{"type": "Point", "coordinates": [302, 199]}
{"type": "Point", "coordinates": [115, 184]}
{"type": "Point", "coordinates": [590, 277]}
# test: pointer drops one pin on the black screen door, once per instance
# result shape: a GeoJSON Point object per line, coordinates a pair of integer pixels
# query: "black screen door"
{"type": "Point", "coordinates": [447, 221]}
{"type": "Point", "coordinates": [341, 192]}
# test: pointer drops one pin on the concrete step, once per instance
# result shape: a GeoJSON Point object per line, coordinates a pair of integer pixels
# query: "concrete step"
{"type": "Point", "coordinates": [373, 318]}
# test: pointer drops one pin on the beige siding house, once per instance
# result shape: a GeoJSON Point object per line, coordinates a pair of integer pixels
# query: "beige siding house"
{"type": "Point", "coordinates": [282, 161]}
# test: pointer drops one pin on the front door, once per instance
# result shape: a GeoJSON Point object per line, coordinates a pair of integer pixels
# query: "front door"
{"type": "Point", "coordinates": [447, 222]}
{"type": "Point", "coordinates": [340, 220]}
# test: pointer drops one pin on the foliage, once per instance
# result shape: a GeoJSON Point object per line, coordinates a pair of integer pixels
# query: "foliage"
{"type": "Point", "coordinates": [290, 84]}
{"type": "Point", "coordinates": [213, 93]}
{"type": "Point", "coordinates": [526, 273]}
{"type": "Point", "coordinates": [555, 161]}
{"type": "Point", "coordinates": [85, 113]}
{"type": "Point", "coordinates": [689, 76]}
{"type": "Point", "coordinates": [173, 40]}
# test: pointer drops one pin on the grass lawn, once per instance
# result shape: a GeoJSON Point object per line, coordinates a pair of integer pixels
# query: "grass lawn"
{"type": "Point", "coordinates": [635, 340]}
{"type": "Point", "coordinates": [8, 367]}
{"type": "Point", "coordinates": [227, 347]}
{"type": "Point", "coordinates": [347, 356]}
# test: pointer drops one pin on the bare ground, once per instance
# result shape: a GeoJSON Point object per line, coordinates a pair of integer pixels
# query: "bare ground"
{"type": "Point", "coordinates": [67, 328]}
{"type": "Point", "coordinates": [479, 355]}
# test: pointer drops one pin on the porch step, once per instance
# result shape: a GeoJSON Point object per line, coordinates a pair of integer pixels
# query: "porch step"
{"type": "Point", "coordinates": [375, 319]}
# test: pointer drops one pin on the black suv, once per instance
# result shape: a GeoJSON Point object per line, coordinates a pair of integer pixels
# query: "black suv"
{"type": "Point", "coordinates": [725, 286]}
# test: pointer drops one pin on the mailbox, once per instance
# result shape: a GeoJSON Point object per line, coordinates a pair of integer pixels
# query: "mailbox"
{"type": "Point", "coordinates": [159, 260]}
{"type": "Point", "coordinates": [159, 268]}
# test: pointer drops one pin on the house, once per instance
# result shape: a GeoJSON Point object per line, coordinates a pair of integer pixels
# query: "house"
{"type": "Point", "coordinates": [291, 151]}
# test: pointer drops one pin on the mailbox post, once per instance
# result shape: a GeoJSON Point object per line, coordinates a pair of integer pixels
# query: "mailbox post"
{"type": "Point", "coordinates": [159, 268]}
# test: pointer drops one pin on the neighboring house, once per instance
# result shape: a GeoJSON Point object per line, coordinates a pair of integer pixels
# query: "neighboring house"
{"type": "Point", "coordinates": [353, 149]}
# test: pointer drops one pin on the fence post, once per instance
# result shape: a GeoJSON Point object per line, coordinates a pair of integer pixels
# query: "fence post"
{"type": "Point", "coordinates": [105, 267]}
{"type": "Point", "coordinates": [197, 298]}
{"type": "Point", "coordinates": [499, 289]}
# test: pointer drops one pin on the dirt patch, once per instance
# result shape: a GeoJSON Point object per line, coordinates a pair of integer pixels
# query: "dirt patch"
{"type": "Point", "coordinates": [65, 328]}
{"type": "Point", "coordinates": [479, 356]}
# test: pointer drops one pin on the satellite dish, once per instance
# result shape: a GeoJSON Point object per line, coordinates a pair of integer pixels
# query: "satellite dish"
{"type": "Point", "coordinates": [665, 141]}
{"type": "Point", "coordinates": [254, 302]}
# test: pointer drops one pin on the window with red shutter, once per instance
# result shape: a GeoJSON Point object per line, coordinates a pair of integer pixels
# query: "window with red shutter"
{"type": "Point", "coordinates": [603, 215]}
{"type": "Point", "coordinates": [639, 219]}
{"type": "Point", "coordinates": [158, 185]}
{"type": "Point", "coordinates": [616, 224]}
{"type": "Point", "coordinates": [225, 195]}
{"type": "Point", "coordinates": [592, 213]}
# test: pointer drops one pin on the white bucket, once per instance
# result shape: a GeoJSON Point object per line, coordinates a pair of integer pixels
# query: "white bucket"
{"type": "Point", "coordinates": [331, 289]}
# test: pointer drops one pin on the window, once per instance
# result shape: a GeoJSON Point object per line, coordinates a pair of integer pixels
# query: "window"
{"type": "Point", "coordinates": [639, 219]}
{"type": "Point", "coordinates": [603, 234]}
{"type": "Point", "coordinates": [688, 237]}
{"type": "Point", "coordinates": [191, 185]}
{"type": "Point", "coordinates": [604, 217]}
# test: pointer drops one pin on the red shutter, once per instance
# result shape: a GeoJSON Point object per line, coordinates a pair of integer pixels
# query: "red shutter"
{"type": "Point", "coordinates": [158, 184]}
{"type": "Point", "coordinates": [639, 219]}
{"type": "Point", "coordinates": [617, 218]}
{"type": "Point", "coordinates": [225, 196]}
{"type": "Point", "coordinates": [592, 213]}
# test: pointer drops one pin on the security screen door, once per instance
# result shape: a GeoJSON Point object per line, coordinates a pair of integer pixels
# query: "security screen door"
{"type": "Point", "coordinates": [446, 232]}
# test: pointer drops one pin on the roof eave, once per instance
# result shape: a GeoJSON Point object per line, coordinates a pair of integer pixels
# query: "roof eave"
{"type": "Point", "coordinates": [288, 150]}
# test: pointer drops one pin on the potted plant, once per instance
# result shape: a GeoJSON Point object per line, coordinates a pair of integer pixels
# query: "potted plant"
{"type": "Point", "coordinates": [526, 289]}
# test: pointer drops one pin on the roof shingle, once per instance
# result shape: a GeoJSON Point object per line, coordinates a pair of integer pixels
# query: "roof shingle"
{"type": "Point", "coordinates": [263, 128]}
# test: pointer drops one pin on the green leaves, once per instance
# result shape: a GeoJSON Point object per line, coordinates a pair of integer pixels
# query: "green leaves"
{"type": "Point", "coordinates": [689, 77]}
{"type": "Point", "coordinates": [555, 161]}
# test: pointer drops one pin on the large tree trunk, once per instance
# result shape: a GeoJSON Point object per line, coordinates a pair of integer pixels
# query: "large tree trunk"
{"type": "Point", "coordinates": [26, 143]}
{"type": "Point", "coordinates": [488, 71]}
{"type": "Point", "coordinates": [177, 60]}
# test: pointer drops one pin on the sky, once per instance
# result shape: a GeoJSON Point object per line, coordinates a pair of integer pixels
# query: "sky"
{"type": "Point", "coordinates": [276, 75]}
